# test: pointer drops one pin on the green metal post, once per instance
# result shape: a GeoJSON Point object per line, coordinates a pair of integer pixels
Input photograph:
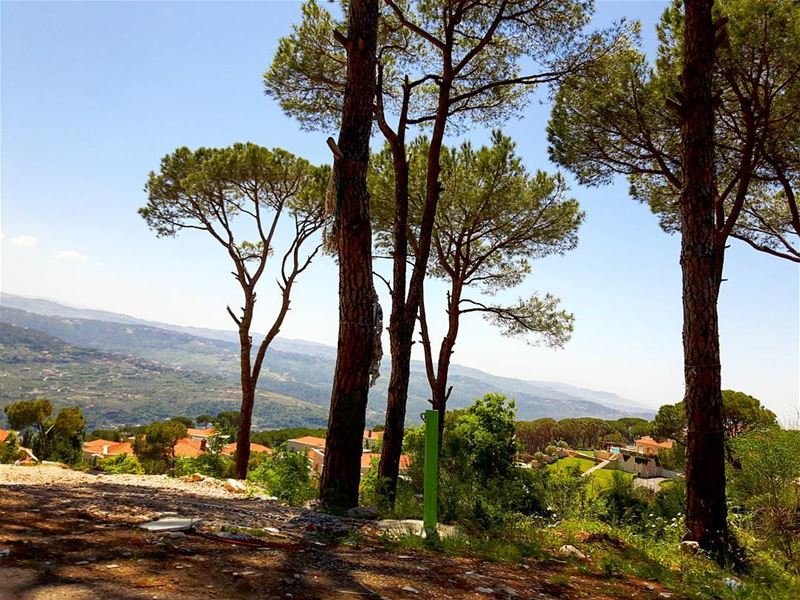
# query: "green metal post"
{"type": "Point", "coordinates": [431, 471]}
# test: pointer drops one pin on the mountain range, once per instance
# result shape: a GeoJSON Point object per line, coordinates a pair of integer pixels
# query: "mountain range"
{"type": "Point", "coordinates": [128, 370]}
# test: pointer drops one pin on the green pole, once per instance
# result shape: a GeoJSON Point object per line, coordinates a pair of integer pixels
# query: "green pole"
{"type": "Point", "coordinates": [431, 471]}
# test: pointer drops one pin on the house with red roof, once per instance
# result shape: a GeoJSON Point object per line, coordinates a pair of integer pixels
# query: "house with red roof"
{"type": "Point", "coordinates": [200, 434]}
{"type": "Point", "coordinates": [305, 443]}
{"type": "Point", "coordinates": [229, 449]}
{"type": "Point", "coordinates": [4, 435]}
{"type": "Point", "coordinates": [98, 449]}
{"type": "Point", "coordinates": [650, 447]}
{"type": "Point", "coordinates": [189, 448]}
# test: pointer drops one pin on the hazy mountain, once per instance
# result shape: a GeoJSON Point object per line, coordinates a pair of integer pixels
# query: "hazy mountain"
{"type": "Point", "coordinates": [56, 309]}
{"type": "Point", "coordinates": [294, 368]}
{"type": "Point", "coordinates": [115, 390]}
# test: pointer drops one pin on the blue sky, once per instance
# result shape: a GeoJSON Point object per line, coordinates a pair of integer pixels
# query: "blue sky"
{"type": "Point", "coordinates": [94, 94]}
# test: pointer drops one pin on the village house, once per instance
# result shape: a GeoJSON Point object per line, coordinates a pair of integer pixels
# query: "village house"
{"type": "Point", "coordinates": [4, 435]}
{"type": "Point", "coordinates": [200, 434]}
{"type": "Point", "coordinates": [372, 439]}
{"type": "Point", "coordinates": [650, 447]}
{"type": "Point", "coordinates": [642, 466]}
{"type": "Point", "coordinates": [306, 443]}
{"type": "Point", "coordinates": [315, 449]}
{"type": "Point", "coordinates": [230, 449]}
{"type": "Point", "coordinates": [99, 449]}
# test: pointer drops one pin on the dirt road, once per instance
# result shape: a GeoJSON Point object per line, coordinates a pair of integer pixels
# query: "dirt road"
{"type": "Point", "coordinates": [68, 535]}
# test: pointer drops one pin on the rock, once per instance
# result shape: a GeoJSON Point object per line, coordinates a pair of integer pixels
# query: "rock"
{"type": "Point", "coordinates": [195, 477]}
{"type": "Point", "coordinates": [649, 587]}
{"type": "Point", "coordinates": [235, 486]}
{"type": "Point", "coordinates": [364, 512]}
{"type": "Point", "coordinates": [570, 550]}
{"type": "Point", "coordinates": [690, 547]}
{"type": "Point", "coordinates": [509, 590]}
{"type": "Point", "coordinates": [732, 583]}
{"type": "Point", "coordinates": [409, 589]}
{"type": "Point", "coordinates": [665, 595]}
{"type": "Point", "coordinates": [115, 566]}
{"type": "Point", "coordinates": [5, 552]}
{"type": "Point", "coordinates": [484, 590]}
{"type": "Point", "coordinates": [404, 527]}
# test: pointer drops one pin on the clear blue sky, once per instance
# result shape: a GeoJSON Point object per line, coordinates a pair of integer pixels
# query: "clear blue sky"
{"type": "Point", "coordinates": [93, 94]}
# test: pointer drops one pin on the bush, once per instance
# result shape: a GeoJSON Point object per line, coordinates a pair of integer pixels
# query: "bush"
{"type": "Point", "coordinates": [121, 465]}
{"type": "Point", "coordinates": [764, 485]}
{"type": "Point", "coordinates": [567, 495]}
{"type": "Point", "coordinates": [210, 465]}
{"type": "Point", "coordinates": [285, 475]}
{"type": "Point", "coordinates": [9, 451]}
{"type": "Point", "coordinates": [623, 504]}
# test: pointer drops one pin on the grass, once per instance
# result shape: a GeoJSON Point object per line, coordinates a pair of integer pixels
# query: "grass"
{"type": "Point", "coordinates": [569, 462]}
{"type": "Point", "coordinates": [618, 553]}
{"type": "Point", "coordinates": [602, 478]}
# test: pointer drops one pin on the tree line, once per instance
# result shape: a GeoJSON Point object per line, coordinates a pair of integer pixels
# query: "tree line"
{"type": "Point", "coordinates": [707, 135]}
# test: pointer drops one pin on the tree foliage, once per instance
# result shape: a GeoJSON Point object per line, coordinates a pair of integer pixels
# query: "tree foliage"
{"type": "Point", "coordinates": [238, 196]}
{"type": "Point", "coordinates": [52, 439]}
{"type": "Point", "coordinates": [740, 413]}
{"type": "Point", "coordinates": [444, 65]}
{"type": "Point", "coordinates": [623, 119]}
{"type": "Point", "coordinates": [155, 449]}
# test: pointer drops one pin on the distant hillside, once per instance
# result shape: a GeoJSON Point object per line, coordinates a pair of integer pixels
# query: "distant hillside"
{"type": "Point", "coordinates": [115, 390]}
{"type": "Point", "coordinates": [55, 309]}
{"type": "Point", "coordinates": [295, 368]}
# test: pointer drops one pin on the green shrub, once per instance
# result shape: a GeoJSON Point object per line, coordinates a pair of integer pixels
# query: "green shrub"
{"type": "Point", "coordinates": [121, 464]}
{"type": "Point", "coordinates": [285, 475]}
{"type": "Point", "coordinates": [210, 465]}
{"type": "Point", "coordinates": [763, 485]}
{"type": "Point", "coordinates": [9, 451]}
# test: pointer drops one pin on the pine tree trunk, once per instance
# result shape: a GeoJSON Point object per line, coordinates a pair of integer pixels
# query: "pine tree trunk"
{"type": "Point", "coordinates": [399, 341]}
{"type": "Point", "coordinates": [706, 512]}
{"type": "Point", "coordinates": [243, 435]}
{"type": "Point", "coordinates": [402, 329]}
{"type": "Point", "coordinates": [342, 465]}
{"type": "Point", "coordinates": [248, 388]}
{"type": "Point", "coordinates": [389, 465]}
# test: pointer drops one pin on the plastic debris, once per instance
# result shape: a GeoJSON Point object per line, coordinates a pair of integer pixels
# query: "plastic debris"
{"type": "Point", "coordinates": [171, 524]}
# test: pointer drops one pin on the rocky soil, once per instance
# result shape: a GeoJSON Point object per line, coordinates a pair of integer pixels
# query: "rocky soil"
{"type": "Point", "coordinates": [70, 535]}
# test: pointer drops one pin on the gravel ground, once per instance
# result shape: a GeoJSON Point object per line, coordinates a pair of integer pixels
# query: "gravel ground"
{"type": "Point", "coordinates": [55, 475]}
{"type": "Point", "coordinates": [66, 535]}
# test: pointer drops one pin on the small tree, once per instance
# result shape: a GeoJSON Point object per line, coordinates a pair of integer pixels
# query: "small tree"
{"type": "Point", "coordinates": [25, 414]}
{"type": "Point", "coordinates": [214, 190]}
{"type": "Point", "coordinates": [156, 447]}
{"type": "Point", "coordinates": [493, 218]}
{"type": "Point", "coordinates": [67, 433]}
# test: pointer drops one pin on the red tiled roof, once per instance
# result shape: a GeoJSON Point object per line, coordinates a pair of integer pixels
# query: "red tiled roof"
{"type": "Point", "coordinates": [200, 432]}
{"type": "Point", "coordinates": [120, 448]}
{"type": "Point", "coordinates": [648, 441]}
{"type": "Point", "coordinates": [97, 445]}
{"type": "Point", "coordinates": [4, 435]}
{"type": "Point", "coordinates": [308, 440]}
{"type": "Point", "coordinates": [366, 458]}
{"type": "Point", "coordinates": [188, 448]}
{"type": "Point", "coordinates": [229, 449]}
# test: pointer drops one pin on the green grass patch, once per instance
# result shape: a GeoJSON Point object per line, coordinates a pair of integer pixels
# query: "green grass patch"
{"type": "Point", "coordinates": [569, 462]}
